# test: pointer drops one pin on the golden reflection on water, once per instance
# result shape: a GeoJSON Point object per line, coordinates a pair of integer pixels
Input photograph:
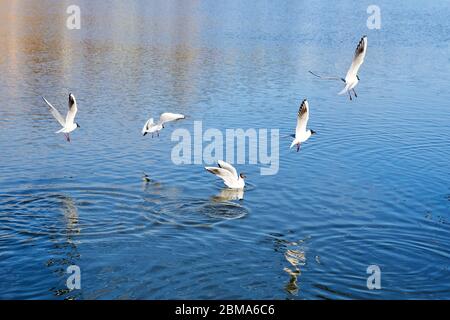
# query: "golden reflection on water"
{"type": "Point", "coordinates": [294, 254]}
{"type": "Point", "coordinates": [296, 258]}
{"type": "Point", "coordinates": [133, 39]}
{"type": "Point", "coordinates": [228, 195]}
{"type": "Point", "coordinates": [64, 250]}
{"type": "Point", "coordinates": [71, 217]}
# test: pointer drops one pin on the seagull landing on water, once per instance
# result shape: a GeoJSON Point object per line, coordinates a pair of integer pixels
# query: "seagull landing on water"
{"type": "Point", "coordinates": [228, 174]}
{"type": "Point", "coordinates": [301, 134]}
{"type": "Point", "coordinates": [352, 78]}
{"type": "Point", "coordinates": [68, 124]}
{"type": "Point", "coordinates": [152, 127]}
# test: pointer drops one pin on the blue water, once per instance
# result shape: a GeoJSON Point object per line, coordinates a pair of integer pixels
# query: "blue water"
{"type": "Point", "coordinates": [372, 187]}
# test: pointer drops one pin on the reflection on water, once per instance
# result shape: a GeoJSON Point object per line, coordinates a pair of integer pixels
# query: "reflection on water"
{"type": "Point", "coordinates": [355, 194]}
{"type": "Point", "coordinates": [229, 194]}
{"type": "Point", "coordinates": [65, 251]}
{"type": "Point", "coordinates": [174, 206]}
{"type": "Point", "coordinates": [296, 258]}
{"type": "Point", "coordinates": [71, 217]}
{"type": "Point", "coordinates": [295, 255]}
{"type": "Point", "coordinates": [292, 286]}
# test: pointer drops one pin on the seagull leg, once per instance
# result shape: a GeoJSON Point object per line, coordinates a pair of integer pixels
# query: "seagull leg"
{"type": "Point", "coordinates": [158, 133]}
{"type": "Point", "coordinates": [354, 92]}
{"type": "Point", "coordinates": [350, 95]}
{"type": "Point", "coordinates": [298, 147]}
{"type": "Point", "coordinates": [68, 137]}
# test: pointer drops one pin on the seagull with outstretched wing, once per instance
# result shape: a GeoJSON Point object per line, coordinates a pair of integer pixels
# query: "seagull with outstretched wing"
{"type": "Point", "coordinates": [228, 174]}
{"type": "Point", "coordinates": [301, 133]}
{"type": "Point", "coordinates": [352, 78]}
{"type": "Point", "coordinates": [152, 127]}
{"type": "Point", "coordinates": [68, 124]}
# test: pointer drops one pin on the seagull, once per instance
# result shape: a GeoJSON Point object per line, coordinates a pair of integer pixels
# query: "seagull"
{"type": "Point", "coordinates": [152, 127]}
{"type": "Point", "coordinates": [301, 134]}
{"type": "Point", "coordinates": [68, 124]}
{"type": "Point", "coordinates": [228, 174]}
{"type": "Point", "coordinates": [352, 78]}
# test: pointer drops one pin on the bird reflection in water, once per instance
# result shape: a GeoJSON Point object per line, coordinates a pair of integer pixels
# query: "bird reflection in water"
{"type": "Point", "coordinates": [71, 217]}
{"type": "Point", "coordinates": [295, 255]}
{"type": "Point", "coordinates": [64, 251]}
{"type": "Point", "coordinates": [229, 195]}
{"type": "Point", "coordinates": [296, 258]}
{"type": "Point", "coordinates": [224, 206]}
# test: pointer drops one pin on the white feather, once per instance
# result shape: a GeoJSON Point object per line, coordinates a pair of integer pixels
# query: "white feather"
{"type": "Point", "coordinates": [56, 113]}
{"type": "Point", "coordinates": [228, 174]}
{"type": "Point", "coordinates": [151, 127]}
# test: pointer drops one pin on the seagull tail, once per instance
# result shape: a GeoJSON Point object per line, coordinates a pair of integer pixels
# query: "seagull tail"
{"type": "Point", "coordinates": [294, 142]}
{"type": "Point", "coordinates": [344, 90]}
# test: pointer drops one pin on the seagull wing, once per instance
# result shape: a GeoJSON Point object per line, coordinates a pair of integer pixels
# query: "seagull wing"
{"type": "Point", "coordinates": [229, 167]}
{"type": "Point", "coordinates": [147, 125]}
{"type": "Point", "coordinates": [326, 78]}
{"type": "Point", "coordinates": [358, 59]}
{"type": "Point", "coordinates": [302, 118]}
{"type": "Point", "coordinates": [167, 117]}
{"type": "Point", "coordinates": [224, 174]}
{"type": "Point", "coordinates": [70, 118]}
{"type": "Point", "coordinates": [56, 113]}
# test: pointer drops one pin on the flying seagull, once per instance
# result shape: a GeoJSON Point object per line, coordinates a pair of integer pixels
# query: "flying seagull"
{"type": "Point", "coordinates": [228, 174]}
{"type": "Point", "coordinates": [152, 127]}
{"type": "Point", "coordinates": [68, 124]}
{"type": "Point", "coordinates": [301, 134]}
{"type": "Point", "coordinates": [352, 78]}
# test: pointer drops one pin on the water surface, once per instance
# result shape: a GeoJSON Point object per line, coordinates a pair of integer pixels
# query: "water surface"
{"type": "Point", "coordinates": [372, 187]}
